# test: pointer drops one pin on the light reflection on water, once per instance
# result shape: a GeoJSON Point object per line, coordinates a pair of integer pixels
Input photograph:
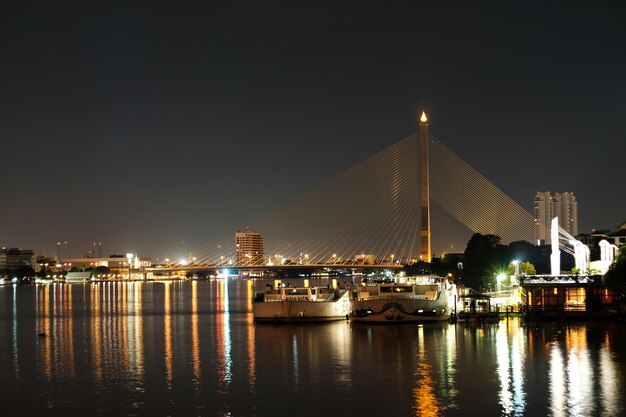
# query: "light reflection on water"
{"type": "Point", "coordinates": [192, 348]}
{"type": "Point", "coordinates": [426, 402]}
{"type": "Point", "coordinates": [510, 359]}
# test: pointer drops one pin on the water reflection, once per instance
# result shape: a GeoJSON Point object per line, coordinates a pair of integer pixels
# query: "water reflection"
{"type": "Point", "coordinates": [115, 335]}
{"type": "Point", "coordinates": [167, 334]}
{"type": "Point", "coordinates": [510, 355]}
{"type": "Point", "coordinates": [426, 401]}
{"type": "Point", "coordinates": [16, 361]}
{"type": "Point", "coordinates": [44, 343]}
{"type": "Point", "coordinates": [192, 348]}
{"type": "Point", "coordinates": [135, 331]}
{"type": "Point", "coordinates": [581, 381]}
{"type": "Point", "coordinates": [195, 340]}
{"type": "Point", "coordinates": [250, 339]}
{"type": "Point", "coordinates": [222, 322]}
{"type": "Point", "coordinates": [609, 381]}
{"type": "Point", "coordinates": [56, 341]}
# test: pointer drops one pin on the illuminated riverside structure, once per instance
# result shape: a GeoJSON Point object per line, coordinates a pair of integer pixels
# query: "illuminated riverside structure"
{"type": "Point", "coordinates": [249, 248]}
{"type": "Point", "coordinates": [380, 208]}
{"type": "Point", "coordinates": [117, 266]}
{"type": "Point", "coordinates": [425, 189]}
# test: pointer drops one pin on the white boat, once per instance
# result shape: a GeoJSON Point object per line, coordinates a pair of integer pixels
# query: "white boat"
{"type": "Point", "coordinates": [410, 299]}
{"type": "Point", "coordinates": [301, 304]}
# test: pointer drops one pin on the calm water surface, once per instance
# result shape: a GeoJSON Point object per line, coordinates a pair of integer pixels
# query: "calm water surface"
{"type": "Point", "coordinates": [191, 348]}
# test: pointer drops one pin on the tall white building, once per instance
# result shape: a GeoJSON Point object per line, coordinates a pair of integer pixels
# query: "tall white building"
{"type": "Point", "coordinates": [565, 207]}
{"type": "Point", "coordinates": [543, 216]}
{"type": "Point", "coordinates": [249, 248]}
{"type": "Point", "coordinates": [561, 205]}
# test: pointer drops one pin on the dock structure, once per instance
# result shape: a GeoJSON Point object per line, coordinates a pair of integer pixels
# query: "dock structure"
{"type": "Point", "coordinates": [566, 296]}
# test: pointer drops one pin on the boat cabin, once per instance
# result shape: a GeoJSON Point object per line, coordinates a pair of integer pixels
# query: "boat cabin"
{"type": "Point", "coordinates": [422, 292]}
{"type": "Point", "coordinates": [301, 294]}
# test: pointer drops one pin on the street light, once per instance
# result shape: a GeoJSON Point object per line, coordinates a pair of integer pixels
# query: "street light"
{"type": "Point", "coordinates": [499, 279]}
{"type": "Point", "coordinates": [516, 265]}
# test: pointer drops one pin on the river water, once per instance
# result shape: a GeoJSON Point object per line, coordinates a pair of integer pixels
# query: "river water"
{"type": "Point", "coordinates": [192, 348]}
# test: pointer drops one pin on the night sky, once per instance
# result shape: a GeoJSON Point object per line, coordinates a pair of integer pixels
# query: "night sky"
{"type": "Point", "coordinates": [154, 128]}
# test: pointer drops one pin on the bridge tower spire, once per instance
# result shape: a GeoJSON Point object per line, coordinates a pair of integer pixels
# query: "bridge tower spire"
{"type": "Point", "coordinates": [426, 252]}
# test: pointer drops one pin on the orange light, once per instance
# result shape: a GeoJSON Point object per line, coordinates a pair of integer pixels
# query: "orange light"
{"type": "Point", "coordinates": [423, 119]}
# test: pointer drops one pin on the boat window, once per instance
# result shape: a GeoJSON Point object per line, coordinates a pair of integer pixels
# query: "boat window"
{"type": "Point", "coordinates": [297, 291]}
{"type": "Point", "coordinates": [396, 289]}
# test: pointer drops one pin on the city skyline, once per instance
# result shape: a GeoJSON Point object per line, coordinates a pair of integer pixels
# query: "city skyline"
{"type": "Point", "coordinates": [154, 130]}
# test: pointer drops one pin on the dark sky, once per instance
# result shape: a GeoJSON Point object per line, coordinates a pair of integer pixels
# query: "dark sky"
{"type": "Point", "coordinates": [155, 127]}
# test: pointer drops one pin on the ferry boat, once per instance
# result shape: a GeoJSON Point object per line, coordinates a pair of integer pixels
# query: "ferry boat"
{"type": "Point", "coordinates": [408, 300]}
{"type": "Point", "coordinates": [301, 304]}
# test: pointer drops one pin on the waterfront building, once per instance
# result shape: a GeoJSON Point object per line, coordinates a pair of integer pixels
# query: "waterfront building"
{"type": "Point", "coordinates": [114, 261]}
{"type": "Point", "coordinates": [565, 296]}
{"type": "Point", "coordinates": [15, 258]}
{"type": "Point", "coordinates": [249, 248]}
{"type": "Point", "coordinates": [117, 266]}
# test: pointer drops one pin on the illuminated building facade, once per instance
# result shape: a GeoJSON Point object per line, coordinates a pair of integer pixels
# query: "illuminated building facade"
{"type": "Point", "coordinates": [566, 209]}
{"type": "Point", "coordinates": [249, 248]}
{"type": "Point", "coordinates": [547, 206]}
{"type": "Point", "coordinates": [543, 216]}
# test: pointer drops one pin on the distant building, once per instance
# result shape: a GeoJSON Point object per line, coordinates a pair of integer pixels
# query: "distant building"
{"type": "Point", "coordinates": [543, 216]}
{"type": "Point", "coordinates": [618, 237]}
{"type": "Point", "coordinates": [117, 265]}
{"type": "Point", "coordinates": [566, 209]}
{"type": "Point", "coordinates": [249, 248]}
{"type": "Point", "coordinates": [592, 241]}
{"type": "Point", "coordinates": [561, 205]}
{"type": "Point", "coordinates": [15, 258]}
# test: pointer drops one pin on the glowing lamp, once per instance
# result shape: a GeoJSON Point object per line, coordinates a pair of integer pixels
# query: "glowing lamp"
{"type": "Point", "coordinates": [423, 119]}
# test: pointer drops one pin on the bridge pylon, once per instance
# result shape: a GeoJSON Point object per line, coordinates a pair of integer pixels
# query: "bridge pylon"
{"type": "Point", "coordinates": [426, 251]}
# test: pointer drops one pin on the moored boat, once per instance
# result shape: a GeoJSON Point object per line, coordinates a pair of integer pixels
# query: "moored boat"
{"type": "Point", "coordinates": [410, 299]}
{"type": "Point", "coordinates": [301, 304]}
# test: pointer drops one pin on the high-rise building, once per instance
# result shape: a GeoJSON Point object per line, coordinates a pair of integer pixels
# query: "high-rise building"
{"type": "Point", "coordinates": [249, 249]}
{"type": "Point", "coordinates": [561, 205]}
{"type": "Point", "coordinates": [565, 207]}
{"type": "Point", "coordinates": [543, 216]}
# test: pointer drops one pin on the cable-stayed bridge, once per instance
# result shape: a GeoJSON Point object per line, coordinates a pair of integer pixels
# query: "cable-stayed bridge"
{"type": "Point", "coordinates": [370, 215]}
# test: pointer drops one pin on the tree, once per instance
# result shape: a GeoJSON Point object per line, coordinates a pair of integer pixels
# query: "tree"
{"type": "Point", "coordinates": [101, 271]}
{"type": "Point", "coordinates": [615, 277]}
{"type": "Point", "coordinates": [537, 256]}
{"type": "Point", "coordinates": [525, 268]}
{"type": "Point", "coordinates": [418, 268]}
{"type": "Point", "coordinates": [25, 274]}
{"type": "Point", "coordinates": [42, 273]}
{"type": "Point", "coordinates": [483, 257]}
